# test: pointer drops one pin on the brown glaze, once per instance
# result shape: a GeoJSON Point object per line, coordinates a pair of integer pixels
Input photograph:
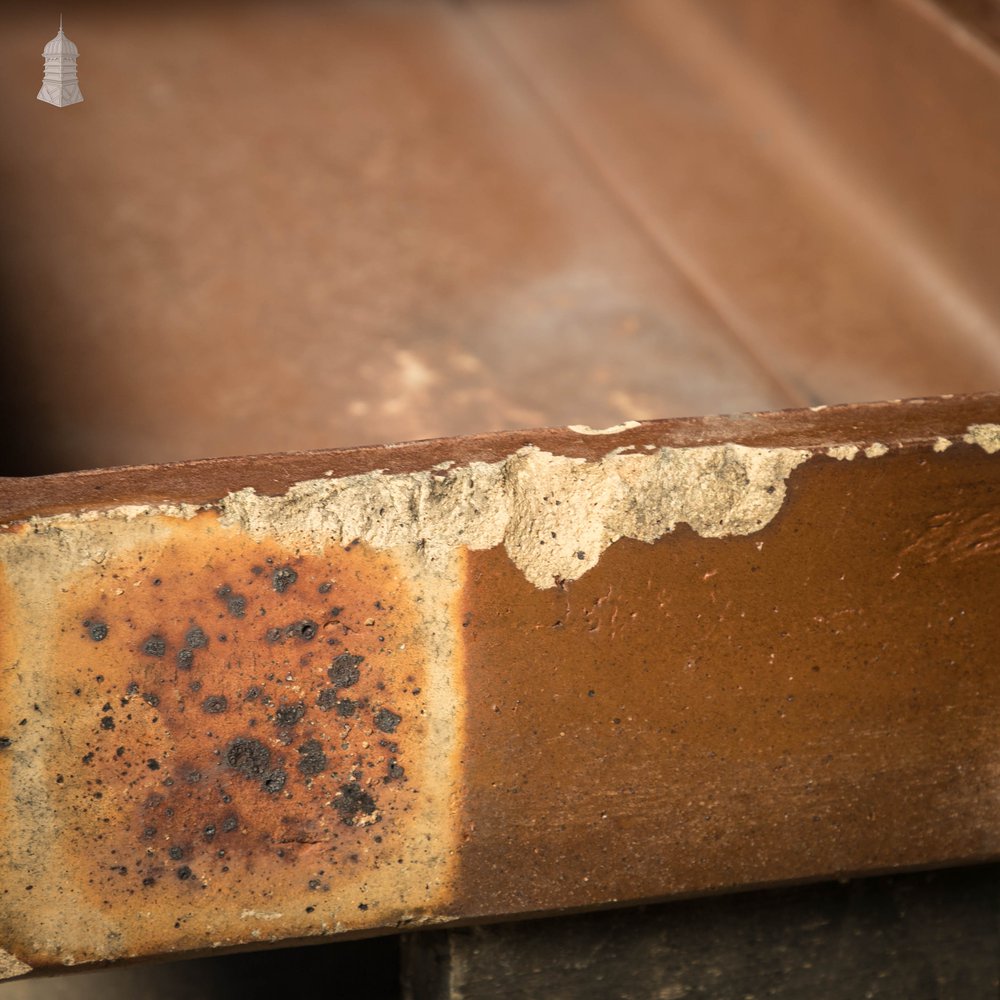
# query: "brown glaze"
{"type": "Point", "coordinates": [706, 713]}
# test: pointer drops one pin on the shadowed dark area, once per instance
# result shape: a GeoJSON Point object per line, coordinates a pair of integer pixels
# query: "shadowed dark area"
{"type": "Point", "coordinates": [366, 969]}
{"type": "Point", "coordinates": [932, 935]}
{"type": "Point", "coordinates": [26, 448]}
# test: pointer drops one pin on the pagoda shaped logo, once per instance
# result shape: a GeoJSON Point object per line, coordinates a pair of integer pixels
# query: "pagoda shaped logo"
{"type": "Point", "coordinates": [59, 85]}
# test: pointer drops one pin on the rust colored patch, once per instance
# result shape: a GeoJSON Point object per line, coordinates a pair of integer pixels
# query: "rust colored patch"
{"type": "Point", "coordinates": [193, 776]}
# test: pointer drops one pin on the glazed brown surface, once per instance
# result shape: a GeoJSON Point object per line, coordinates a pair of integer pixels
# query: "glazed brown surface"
{"type": "Point", "coordinates": [702, 713]}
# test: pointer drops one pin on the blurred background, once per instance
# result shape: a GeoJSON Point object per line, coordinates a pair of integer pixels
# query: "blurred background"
{"type": "Point", "coordinates": [276, 227]}
{"type": "Point", "coordinates": [319, 224]}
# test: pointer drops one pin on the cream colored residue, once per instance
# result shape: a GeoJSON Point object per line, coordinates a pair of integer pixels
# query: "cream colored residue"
{"type": "Point", "coordinates": [11, 966]}
{"type": "Point", "coordinates": [987, 436]}
{"type": "Point", "coordinates": [132, 512]}
{"type": "Point", "coordinates": [259, 915]}
{"type": "Point", "coordinates": [843, 452]}
{"type": "Point", "coordinates": [554, 515]}
{"type": "Point", "coordinates": [876, 450]}
{"type": "Point", "coordinates": [616, 429]}
{"type": "Point", "coordinates": [942, 444]}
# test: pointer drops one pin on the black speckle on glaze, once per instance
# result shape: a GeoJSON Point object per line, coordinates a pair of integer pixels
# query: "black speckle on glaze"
{"type": "Point", "coordinates": [196, 638]}
{"type": "Point", "coordinates": [248, 756]}
{"type": "Point", "coordinates": [344, 671]}
{"type": "Point", "coordinates": [386, 720]}
{"type": "Point", "coordinates": [274, 781]}
{"type": "Point", "coordinates": [98, 630]}
{"type": "Point", "coordinates": [289, 715]}
{"type": "Point", "coordinates": [327, 698]}
{"type": "Point", "coordinates": [312, 760]}
{"type": "Point", "coordinates": [352, 802]}
{"type": "Point", "coordinates": [305, 630]}
{"type": "Point", "coordinates": [155, 645]}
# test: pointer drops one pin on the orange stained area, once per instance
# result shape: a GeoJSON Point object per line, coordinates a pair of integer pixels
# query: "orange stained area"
{"type": "Point", "coordinates": [232, 733]}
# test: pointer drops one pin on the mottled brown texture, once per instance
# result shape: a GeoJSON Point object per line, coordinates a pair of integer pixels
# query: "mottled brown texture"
{"type": "Point", "coordinates": [421, 219]}
{"type": "Point", "coordinates": [824, 173]}
{"type": "Point", "coordinates": [319, 225]}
